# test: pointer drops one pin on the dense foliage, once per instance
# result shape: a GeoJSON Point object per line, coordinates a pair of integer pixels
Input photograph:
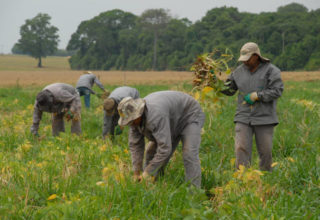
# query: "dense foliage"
{"type": "Point", "coordinates": [38, 38]}
{"type": "Point", "coordinates": [120, 40]}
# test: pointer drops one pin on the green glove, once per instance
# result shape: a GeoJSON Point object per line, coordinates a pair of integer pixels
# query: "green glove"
{"type": "Point", "coordinates": [69, 115]}
{"type": "Point", "coordinates": [117, 130]}
{"type": "Point", "coordinates": [251, 98]}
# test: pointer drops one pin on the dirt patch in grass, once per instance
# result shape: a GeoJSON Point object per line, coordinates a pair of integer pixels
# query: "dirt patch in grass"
{"type": "Point", "coordinates": [39, 78]}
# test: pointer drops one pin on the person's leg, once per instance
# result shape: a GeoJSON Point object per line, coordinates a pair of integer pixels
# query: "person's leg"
{"type": "Point", "coordinates": [87, 98]}
{"type": "Point", "coordinates": [191, 139]}
{"type": "Point", "coordinates": [57, 124]}
{"type": "Point", "coordinates": [76, 127]}
{"type": "Point", "coordinates": [264, 136]}
{"type": "Point", "coordinates": [83, 91]}
{"type": "Point", "coordinates": [243, 144]}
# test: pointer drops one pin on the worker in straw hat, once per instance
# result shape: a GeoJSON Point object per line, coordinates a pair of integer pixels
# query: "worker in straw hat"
{"type": "Point", "coordinates": [85, 84]}
{"type": "Point", "coordinates": [260, 85]}
{"type": "Point", "coordinates": [62, 100]}
{"type": "Point", "coordinates": [111, 115]}
{"type": "Point", "coordinates": [165, 118]}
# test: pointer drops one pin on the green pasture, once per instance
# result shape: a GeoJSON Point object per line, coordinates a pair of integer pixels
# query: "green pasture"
{"type": "Point", "coordinates": [27, 63]}
{"type": "Point", "coordinates": [72, 177]}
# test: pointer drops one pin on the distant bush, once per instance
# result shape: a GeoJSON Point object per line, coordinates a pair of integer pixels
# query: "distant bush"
{"type": "Point", "coordinates": [314, 62]}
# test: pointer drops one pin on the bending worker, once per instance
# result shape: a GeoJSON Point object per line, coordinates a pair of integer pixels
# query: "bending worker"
{"type": "Point", "coordinates": [111, 115]}
{"type": "Point", "coordinates": [61, 100]}
{"type": "Point", "coordinates": [84, 85]}
{"type": "Point", "coordinates": [260, 85]}
{"type": "Point", "coordinates": [164, 118]}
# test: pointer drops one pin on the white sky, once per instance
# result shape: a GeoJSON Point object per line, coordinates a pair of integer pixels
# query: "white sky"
{"type": "Point", "coordinates": [66, 15]}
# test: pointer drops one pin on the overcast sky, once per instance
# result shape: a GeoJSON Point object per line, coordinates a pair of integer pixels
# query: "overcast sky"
{"type": "Point", "coordinates": [66, 15]}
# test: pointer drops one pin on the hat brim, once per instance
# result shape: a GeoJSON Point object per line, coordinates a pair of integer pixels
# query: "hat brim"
{"type": "Point", "coordinates": [244, 58]}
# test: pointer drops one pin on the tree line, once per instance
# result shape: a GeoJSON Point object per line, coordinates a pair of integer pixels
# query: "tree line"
{"type": "Point", "coordinates": [119, 40]}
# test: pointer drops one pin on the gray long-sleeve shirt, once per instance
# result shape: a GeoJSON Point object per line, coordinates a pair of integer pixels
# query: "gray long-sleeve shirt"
{"type": "Point", "coordinates": [109, 122]}
{"type": "Point", "coordinates": [87, 80]}
{"type": "Point", "coordinates": [165, 116]}
{"type": "Point", "coordinates": [65, 97]}
{"type": "Point", "coordinates": [267, 82]}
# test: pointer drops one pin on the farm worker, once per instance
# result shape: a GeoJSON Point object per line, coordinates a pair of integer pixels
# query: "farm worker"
{"type": "Point", "coordinates": [165, 118]}
{"type": "Point", "coordinates": [260, 85]}
{"type": "Point", "coordinates": [62, 100]}
{"type": "Point", "coordinates": [111, 115]}
{"type": "Point", "coordinates": [85, 84]}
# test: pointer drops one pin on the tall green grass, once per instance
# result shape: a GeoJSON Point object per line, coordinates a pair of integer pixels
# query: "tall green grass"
{"type": "Point", "coordinates": [71, 177]}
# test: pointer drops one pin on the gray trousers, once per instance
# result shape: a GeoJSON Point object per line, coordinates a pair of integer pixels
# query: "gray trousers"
{"type": "Point", "coordinates": [191, 138]}
{"type": "Point", "coordinates": [243, 144]}
{"type": "Point", "coordinates": [58, 125]}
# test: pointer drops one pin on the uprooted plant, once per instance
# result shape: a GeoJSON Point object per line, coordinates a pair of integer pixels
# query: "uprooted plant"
{"type": "Point", "coordinates": [207, 83]}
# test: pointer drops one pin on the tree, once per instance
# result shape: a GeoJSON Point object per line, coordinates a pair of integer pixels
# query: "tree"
{"type": "Point", "coordinates": [97, 41]}
{"type": "Point", "coordinates": [38, 37]}
{"type": "Point", "coordinates": [292, 8]}
{"type": "Point", "coordinates": [155, 20]}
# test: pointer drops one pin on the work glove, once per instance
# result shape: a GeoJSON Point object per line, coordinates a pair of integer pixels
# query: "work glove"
{"type": "Point", "coordinates": [251, 98]}
{"type": "Point", "coordinates": [69, 115]}
{"type": "Point", "coordinates": [118, 130]}
{"type": "Point", "coordinates": [136, 176]}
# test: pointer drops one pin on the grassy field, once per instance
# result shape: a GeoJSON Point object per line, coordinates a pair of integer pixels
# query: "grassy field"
{"type": "Point", "coordinates": [22, 70]}
{"type": "Point", "coordinates": [71, 177]}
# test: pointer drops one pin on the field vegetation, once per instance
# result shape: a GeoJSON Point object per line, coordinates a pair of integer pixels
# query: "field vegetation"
{"type": "Point", "coordinates": [84, 177]}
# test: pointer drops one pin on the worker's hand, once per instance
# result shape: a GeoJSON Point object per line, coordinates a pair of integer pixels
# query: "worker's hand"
{"type": "Point", "coordinates": [118, 130]}
{"type": "Point", "coordinates": [105, 94]}
{"type": "Point", "coordinates": [147, 178]}
{"type": "Point", "coordinates": [136, 176]}
{"type": "Point", "coordinates": [251, 98]}
{"type": "Point", "coordinates": [69, 115]}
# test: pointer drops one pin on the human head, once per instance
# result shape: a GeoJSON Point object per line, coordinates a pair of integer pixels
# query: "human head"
{"type": "Point", "coordinates": [130, 109]}
{"type": "Point", "coordinates": [45, 100]}
{"type": "Point", "coordinates": [249, 49]}
{"type": "Point", "coordinates": [109, 105]}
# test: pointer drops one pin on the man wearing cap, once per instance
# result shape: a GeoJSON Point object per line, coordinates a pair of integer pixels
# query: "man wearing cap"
{"type": "Point", "coordinates": [111, 115]}
{"type": "Point", "coordinates": [62, 100]}
{"type": "Point", "coordinates": [165, 118]}
{"type": "Point", "coordinates": [260, 85]}
{"type": "Point", "coordinates": [84, 85]}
